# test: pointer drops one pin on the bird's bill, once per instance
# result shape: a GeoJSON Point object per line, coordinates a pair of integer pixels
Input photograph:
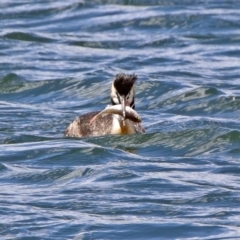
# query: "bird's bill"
{"type": "Point", "coordinates": [123, 102]}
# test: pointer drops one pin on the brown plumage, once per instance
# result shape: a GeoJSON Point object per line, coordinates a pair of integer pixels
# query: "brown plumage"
{"type": "Point", "coordinates": [122, 90]}
{"type": "Point", "coordinates": [81, 126]}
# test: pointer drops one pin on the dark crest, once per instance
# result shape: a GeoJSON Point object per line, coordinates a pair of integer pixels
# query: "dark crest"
{"type": "Point", "coordinates": [124, 83]}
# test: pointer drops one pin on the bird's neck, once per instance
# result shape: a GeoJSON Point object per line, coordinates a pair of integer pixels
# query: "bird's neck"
{"type": "Point", "coordinates": [121, 126]}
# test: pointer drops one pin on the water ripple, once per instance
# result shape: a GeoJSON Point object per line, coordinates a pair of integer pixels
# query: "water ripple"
{"type": "Point", "coordinates": [179, 180]}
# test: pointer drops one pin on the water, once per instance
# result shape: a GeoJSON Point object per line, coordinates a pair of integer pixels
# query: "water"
{"type": "Point", "coordinates": [180, 180]}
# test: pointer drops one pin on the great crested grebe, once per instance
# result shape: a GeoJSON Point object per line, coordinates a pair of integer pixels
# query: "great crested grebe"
{"type": "Point", "coordinates": [108, 122]}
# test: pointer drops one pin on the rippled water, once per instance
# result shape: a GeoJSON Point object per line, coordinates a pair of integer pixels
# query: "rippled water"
{"type": "Point", "coordinates": [180, 180]}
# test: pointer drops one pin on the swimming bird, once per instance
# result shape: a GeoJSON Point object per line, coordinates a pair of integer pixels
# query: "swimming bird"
{"type": "Point", "coordinates": [112, 120]}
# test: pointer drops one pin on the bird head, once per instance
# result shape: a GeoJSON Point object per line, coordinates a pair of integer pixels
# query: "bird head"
{"type": "Point", "coordinates": [122, 91]}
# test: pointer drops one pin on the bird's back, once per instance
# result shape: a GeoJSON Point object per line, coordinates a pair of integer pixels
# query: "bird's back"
{"type": "Point", "coordinates": [83, 127]}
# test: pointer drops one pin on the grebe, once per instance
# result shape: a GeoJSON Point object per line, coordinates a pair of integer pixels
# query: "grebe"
{"type": "Point", "coordinates": [126, 121]}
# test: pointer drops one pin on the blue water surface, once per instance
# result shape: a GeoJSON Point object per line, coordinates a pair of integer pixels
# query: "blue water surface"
{"type": "Point", "coordinates": [179, 180]}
